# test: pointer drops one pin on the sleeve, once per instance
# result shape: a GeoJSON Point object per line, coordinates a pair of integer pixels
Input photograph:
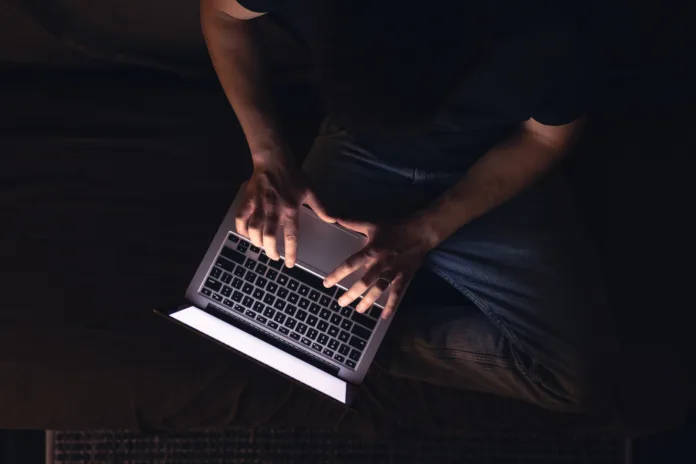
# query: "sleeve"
{"type": "Point", "coordinates": [258, 6]}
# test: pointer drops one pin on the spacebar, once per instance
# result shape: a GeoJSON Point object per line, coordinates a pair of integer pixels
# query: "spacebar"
{"type": "Point", "coordinates": [309, 279]}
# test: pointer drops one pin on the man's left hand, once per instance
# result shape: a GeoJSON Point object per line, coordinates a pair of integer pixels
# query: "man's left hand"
{"type": "Point", "coordinates": [391, 257]}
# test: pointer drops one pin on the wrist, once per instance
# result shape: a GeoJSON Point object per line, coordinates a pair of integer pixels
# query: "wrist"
{"type": "Point", "coordinates": [429, 229]}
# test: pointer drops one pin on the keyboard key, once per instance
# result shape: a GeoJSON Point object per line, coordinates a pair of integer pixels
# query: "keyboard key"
{"type": "Point", "coordinates": [215, 272]}
{"type": "Point", "coordinates": [248, 302]}
{"type": "Point", "coordinates": [212, 284]}
{"type": "Point", "coordinates": [364, 320]}
{"type": "Point", "coordinates": [314, 295]}
{"type": "Point", "coordinates": [258, 307]}
{"type": "Point", "coordinates": [336, 319]}
{"type": "Point", "coordinates": [312, 333]}
{"type": "Point", "coordinates": [263, 257]}
{"type": "Point", "coordinates": [323, 325]}
{"type": "Point", "coordinates": [354, 355]}
{"type": "Point", "coordinates": [312, 320]}
{"type": "Point", "coordinates": [301, 328]}
{"type": "Point", "coordinates": [217, 297]}
{"type": "Point", "coordinates": [261, 282]}
{"type": "Point", "coordinates": [279, 304]}
{"type": "Point", "coordinates": [325, 314]}
{"type": "Point", "coordinates": [250, 277]}
{"type": "Point", "coordinates": [261, 268]}
{"type": "Point", "coordinates": [292, 285]}
{"type": "Point", "coordinates": [271, 274]}
{"type": "Point", "coordinates": [343, 336]}
{"type": "Point", "coordinates": [304, 290]}
{"type": "Point", "coordinates": [227, 302]}
{"type": "Point", "coordinates": [323, 339]}
{"type": "Point", "coordinates": [226, 277]}
{"type": "Point", "coordinates": [317, 283]}
{"type": "Point", "coordinates": [255, 249]}
{"type": "Point", "coordinates": [314, 308]}
{"type": "Point", "coordinates": [269, 312]}
{"type": "Point", "coordinates": [283, 293]}
{"type": "Point", "coordinates": [250, 313]}
{"type": "Point", "coordinates": [243, 246]}
{"type": "Point", "coordinates": [333, 331]}
{"type": "Point", "coordinates": [233, 238]}
{"type": "Point", "coordinates": [346, 311]}
{"type": "Point", "coordinates": [237, 283]}
{"type": "Point", "coordinates": [237, 296]}
{"type": "Point", "coordinates": [293, 298]}
{"type": "Point", "coordinates": [328, 352]}
{"type": "Point", "coordinates": [333, 344]}
{"type": "Point", "coordinates": [271, 287]}
{"type": "Point", "coordinates": [290, 310]}
{"type": "Point", "coordinates": [206, 291]}
{"type": "Point", "coordinates": [275, 264]}
{"type": "Point", "coordinates": [335, 307]}
{"type": "Point", "coordinates": [283, 330]}
{"type": "Point", "coordinates": [361, 332]}
{"type": "Point", "coordinates": [232, 255]}
{"type": "Point", "coordinates": [350, 363]}
{"type": "Point", "coordinates": [248, 289]}
{"type": "Point", "coordinates": [239, 272]}
{"type": "Point", "coordinates": [375, 311]}
{"type": "Point", "coordinates": [294, 336]}
{"type": "Point", "coordinates": [239, 308]}
{"type": "Point", "coordinates": [325, 301]}
{"type": "Point", "coordinates": [261, 319]}
{"type": "Point", "coordinates": [306, 341]}
{"type": "Point", "coordinates": [269, 299]}
{"type": "Point", "coordinates": [357, 343]}
{"type": "Point", "coordinates": [316, 346]}
{"type": "Point", "coordinates": [304, 303]}
{"type": "Point", "coordinates": [258, 293]}
{"type": "Point", "coordinates": [339, 358]}
{"type": "Point", "coordinates": [301, 315]}
{"type": "Point", "coordinates": [344, 350]}
{"type": "Point", "coordinates": [346, 324]}
{"type": "Point", "coordinates": [279, 317]}
{"type": "Point", "coordinates": [282, 279]}
{"type": "Point", "coordinates": [272, 325]}
{"type": "Point", "coordinates": [290, 323]}
{"type": "Point", "coordinates": [250, 264]}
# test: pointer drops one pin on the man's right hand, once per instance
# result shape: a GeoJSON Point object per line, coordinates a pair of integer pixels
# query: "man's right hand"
{"type": "Point", "coordinates": [272, 198]}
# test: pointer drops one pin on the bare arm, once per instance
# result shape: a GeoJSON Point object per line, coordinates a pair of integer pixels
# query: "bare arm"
{"type": "Point", "coordinates": [277, 187]}
{"type": "Point", "coordinates": [240, 68]}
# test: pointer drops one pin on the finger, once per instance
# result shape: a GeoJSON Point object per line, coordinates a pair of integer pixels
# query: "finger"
{"type": "Point", "coordinates": [243, 215]}
{"type": "Point", "coordinates": [348, 266]}
{"type": "Point", "coordinates": [270, 228]}
{"type": "Point", "coordinates": [317, 206]}
{"type": "Point", "coordinates": [366, 281]}
{"type": "Point", "coordinates": [398, 287]}
{"type": "Point", "coordinates": [291, 227]}
{"type": "Point", "coordinates": [364, 228]}
{"type": "Point", "coordinates": [255, 227]}
{"type": "Point", "coordinates": [373, 294]}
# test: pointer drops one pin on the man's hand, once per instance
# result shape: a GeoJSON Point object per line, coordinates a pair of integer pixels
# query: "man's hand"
{"type": "Point", "coordinates": [393, 254]}
{"type": "Point", "coordinates": [272, 198]}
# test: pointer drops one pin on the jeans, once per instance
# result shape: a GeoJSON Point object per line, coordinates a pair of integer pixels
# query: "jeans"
{"type": "Point", "coordinates": [533, 322]}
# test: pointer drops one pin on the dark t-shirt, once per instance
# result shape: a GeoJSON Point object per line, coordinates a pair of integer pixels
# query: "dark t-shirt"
{"type": "Point", "coordinates": [536, 68]}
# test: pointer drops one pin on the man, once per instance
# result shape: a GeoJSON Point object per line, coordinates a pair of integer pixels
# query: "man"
{"type": "Point", "coordinates": [443, 133]}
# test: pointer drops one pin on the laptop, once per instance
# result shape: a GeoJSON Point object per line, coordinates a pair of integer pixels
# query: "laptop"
{"type": "Point", "coordinates": [282, 317]}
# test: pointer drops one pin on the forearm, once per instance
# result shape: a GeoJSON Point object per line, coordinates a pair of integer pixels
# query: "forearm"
{"type": "Point", "coordinates": [241, 72]}
{"type": "Point", "coordinates": [506, 170]}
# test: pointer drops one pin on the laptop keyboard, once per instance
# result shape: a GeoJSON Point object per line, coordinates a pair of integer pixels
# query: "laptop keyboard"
{"type": "Point", "coordinates": [290, 301]}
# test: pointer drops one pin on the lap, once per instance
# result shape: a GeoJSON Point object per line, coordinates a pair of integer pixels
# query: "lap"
{"type": "Point", "coordinates": [538, 314]}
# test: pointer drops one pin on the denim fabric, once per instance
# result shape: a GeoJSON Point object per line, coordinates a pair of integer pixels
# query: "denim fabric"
{"type": "Point", "coordinates": [533, 322]}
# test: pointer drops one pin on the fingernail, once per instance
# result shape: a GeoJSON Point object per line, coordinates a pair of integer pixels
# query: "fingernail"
{"type": "Point", "coordinates": [341, 302]}
{"type": "Point", "coordinates": [327, 284]}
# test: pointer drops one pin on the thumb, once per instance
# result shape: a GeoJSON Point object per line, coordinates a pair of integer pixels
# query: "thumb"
{"type": "Point", "coordinates": [364, 228]}
{"type": "Point", "coordinates": [311, 200]}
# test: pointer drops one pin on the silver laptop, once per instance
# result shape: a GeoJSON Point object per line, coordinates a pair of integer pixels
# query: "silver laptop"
{"type": "Point", "coordinates": [284, 317]}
